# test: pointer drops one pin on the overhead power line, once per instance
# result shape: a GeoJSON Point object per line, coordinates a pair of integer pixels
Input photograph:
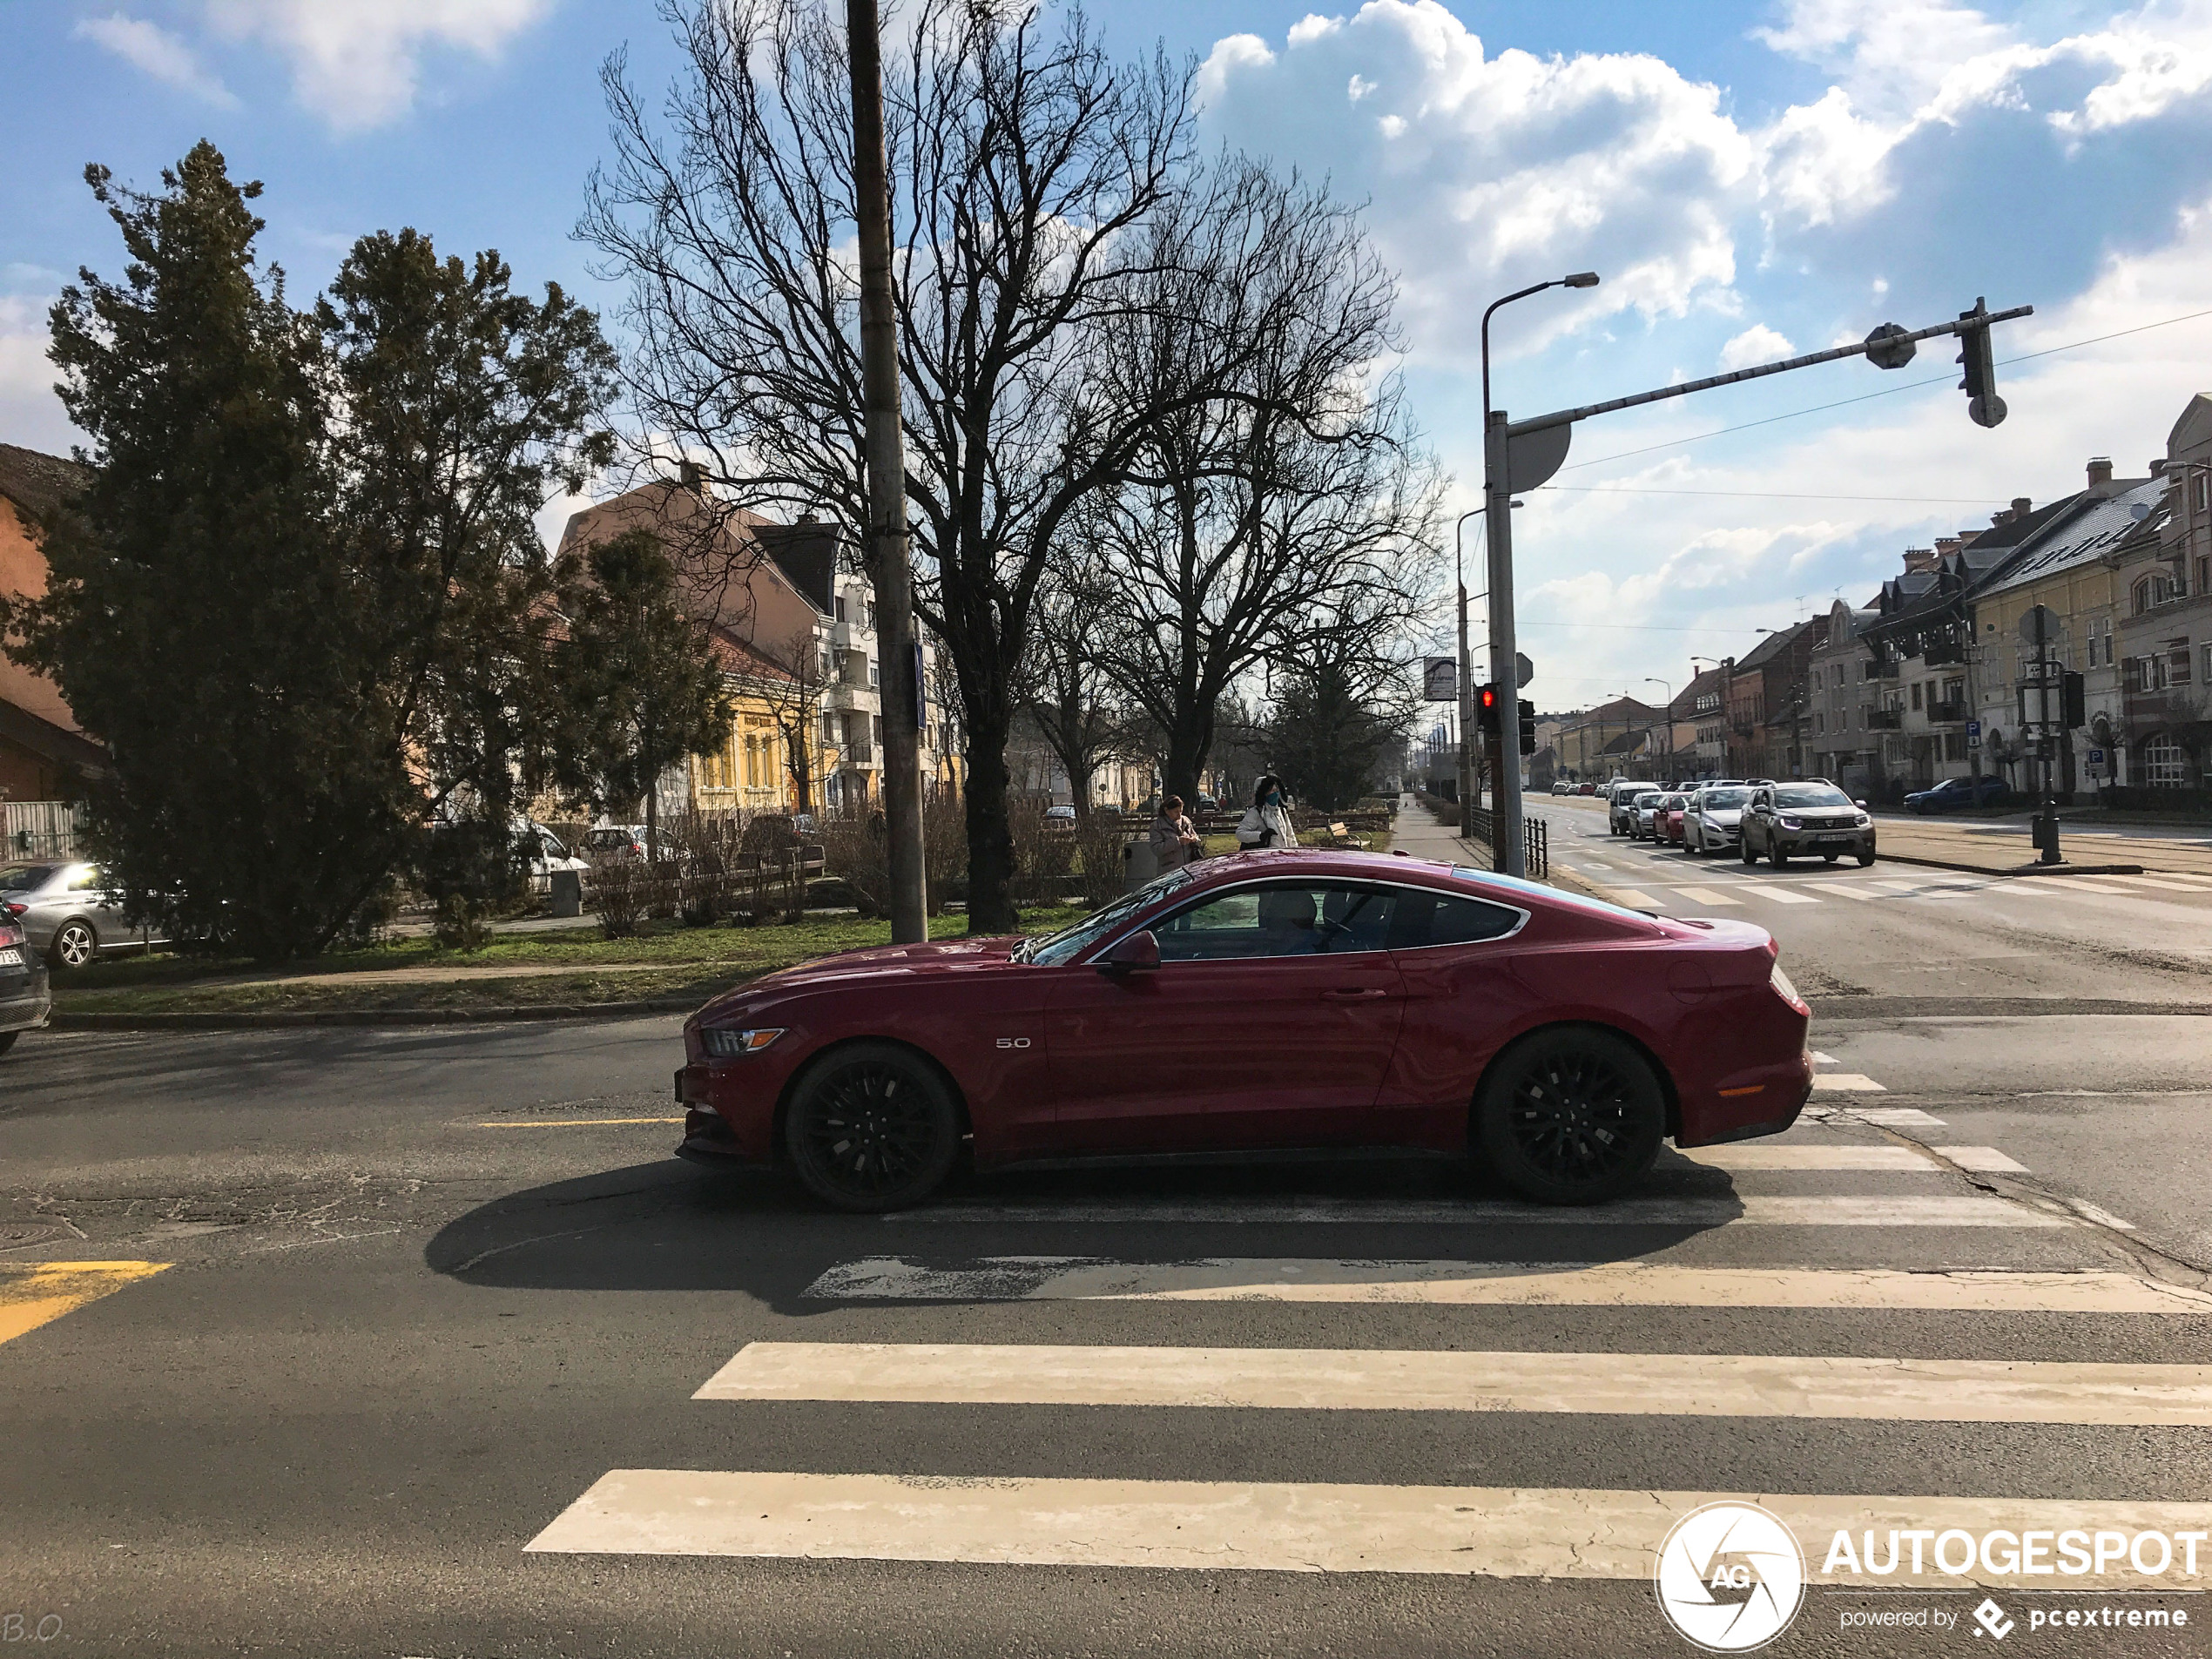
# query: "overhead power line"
{"type": "Point", "coordinates": [1762, 495]}
{"type": "Point", "coordinates": [1887, 391]}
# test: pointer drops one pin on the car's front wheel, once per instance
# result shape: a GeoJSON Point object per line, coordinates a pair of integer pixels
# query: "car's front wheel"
{"type": "Point", "coordinates": [8, 1040]}
{"type": "Point", "coordinates": [1866, 858]}
{"type": "Point", "coordinates": [1775, 856]}
{"type": "Point", "coordinates": [1571, 1116]}
{"type": "Point", "coordinates": [1743, 847]}
{"type": "Point", "coordinates": [75, 944]}
{"type": "Point", "coordinates": [871, 1126]}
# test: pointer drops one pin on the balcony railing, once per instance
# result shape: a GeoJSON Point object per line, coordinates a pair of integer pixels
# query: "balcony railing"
{"type": "Point", "coordinates": [1946, 713]}
{"type": "Point", "coordinates": [1885, 719]}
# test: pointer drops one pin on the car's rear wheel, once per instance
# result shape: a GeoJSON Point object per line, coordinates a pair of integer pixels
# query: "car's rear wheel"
{"type": "Point", "coordinates": [75, 944]}
{"type": "Point", "coordinates": [1571, 1116]}
{"type": "Point", "coordinates": [871, 1126]}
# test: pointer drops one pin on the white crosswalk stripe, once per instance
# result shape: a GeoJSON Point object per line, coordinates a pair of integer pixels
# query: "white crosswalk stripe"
{"type": "Point", "coordinates": [1752, 1211]}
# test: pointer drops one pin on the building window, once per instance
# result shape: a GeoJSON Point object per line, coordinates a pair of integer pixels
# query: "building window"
{"type": "Point", "coordinates": [1916, 696]}
{"type": "Point", "coordinates": [840, 602]}
{"type": "Point", "coordinates": [2151, 591]}
{"type": "Point", "coordinates": [2177, 662]}
{"type": "Point", "coordinates": [2203, 575]}
{"type": "Point", "coordinates": [1819, 725]}
{"type": "Point", "coordinates": [2163, 766]}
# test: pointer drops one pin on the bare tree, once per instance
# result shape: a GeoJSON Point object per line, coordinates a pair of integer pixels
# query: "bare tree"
{"type": "Point", "coordinates": [1021, 158]}
{"type": "Point", "coordinates": [794, 699]}
{"type": "Point", "coordinates": [1065, 688]}
{"type": "Point", "coordinates": [1297, 486]}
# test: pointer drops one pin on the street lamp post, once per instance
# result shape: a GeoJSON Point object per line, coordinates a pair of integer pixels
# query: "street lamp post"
{"type": "Point", "coordinates": [1467, 749]}
{"type": "Point", "coordinates": [1497, 491]}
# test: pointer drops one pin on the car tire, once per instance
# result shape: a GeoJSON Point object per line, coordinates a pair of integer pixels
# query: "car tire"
{"type": "Point", "coordinates": [871, 1126]}
{"type": "Point", "coordinates": [8, 1040]}
{"type": "Point", "coordinates": [1776, 857]}
{"type": "Point", "coordinates": [1865, 859]}
{"type": "Point", "coordinates": [1743, 847]}
{"type": "Point", "coordinates": [1571, 1116]}
{"type": "Point", "coordinates": [1830, 858]}
{"type": "Point", "coordinates": [75, 944]}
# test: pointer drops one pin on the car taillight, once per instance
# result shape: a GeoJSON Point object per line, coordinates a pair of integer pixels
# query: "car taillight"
{"type": "Point", "coordinates": [15, 909]}
{"type": "Point", "coordinates": [1784, 989]}
{"type": "Point", "coordinates": [11, 935]}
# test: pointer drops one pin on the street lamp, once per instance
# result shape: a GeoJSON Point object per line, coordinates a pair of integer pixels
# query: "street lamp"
{"type": "Point", "coordinates": [1497, 491]}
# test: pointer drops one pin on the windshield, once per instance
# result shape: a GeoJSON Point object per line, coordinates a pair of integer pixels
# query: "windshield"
{"type": "Point", "coordinates": [22, 878]}
{"type": "Point", "coordinates": [1718, 798]}
{"type": "Point", "coordinates": [1811, 795]}
{"type": "Point", "coordinates": [1070, 943]}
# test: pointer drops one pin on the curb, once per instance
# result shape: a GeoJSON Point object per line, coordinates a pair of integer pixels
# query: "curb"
{"type": "Point", "coordinates": [1888, 1009]}
{"type": "Point", "coordinates": [279, 1019]}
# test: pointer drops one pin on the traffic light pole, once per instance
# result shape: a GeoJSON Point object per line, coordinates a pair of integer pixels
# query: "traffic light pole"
{"type": "Point", "coordinates": [1521, 455]}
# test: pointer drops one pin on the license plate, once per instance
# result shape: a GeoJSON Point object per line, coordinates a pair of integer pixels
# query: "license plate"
{"type": "Point", "coordinates": [10, 958]}
{"type": "Point", "coordinates": [1824, 839]}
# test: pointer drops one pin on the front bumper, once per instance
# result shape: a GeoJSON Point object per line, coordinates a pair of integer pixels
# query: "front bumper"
{"type": "Point", "coordinates": [1807, 843]}
{"type": "Point", "coordinates": [712, 1131]}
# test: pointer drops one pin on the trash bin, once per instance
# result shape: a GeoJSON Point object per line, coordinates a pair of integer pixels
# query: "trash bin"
{"type": "Point", "coordinates": [568, 892]}
{"type": "Point", "coordinates": [1140, 864]}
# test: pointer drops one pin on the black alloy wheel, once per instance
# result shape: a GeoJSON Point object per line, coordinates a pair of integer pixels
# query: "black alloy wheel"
{"type": "Point", "coordinates": [1743, 847]}
{"type": "Point", "coordinates": [1571, 1116]}
{"type": "Point", "coordinates": [871, 1127]}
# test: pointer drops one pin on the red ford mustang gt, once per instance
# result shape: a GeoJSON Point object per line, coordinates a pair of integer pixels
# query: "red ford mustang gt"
{"type": "Point", "coordinates": [1267, 1000]}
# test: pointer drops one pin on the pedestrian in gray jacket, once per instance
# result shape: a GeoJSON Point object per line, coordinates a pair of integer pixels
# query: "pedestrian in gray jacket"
{"type": "Point", "coordinates": [1268, 823]}
{"type": "Point", "coordinates": [1175, 843]}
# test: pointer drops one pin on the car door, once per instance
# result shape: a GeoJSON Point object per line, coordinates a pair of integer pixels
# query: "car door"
{"type": "Point", "coordinates": [1455, 954]}
{"type": "Point", "coordinates": [1758, 816]}
{"type": "Point", "coordinates": [1272, 1020]}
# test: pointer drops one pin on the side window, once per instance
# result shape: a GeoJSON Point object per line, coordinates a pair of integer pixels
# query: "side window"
{"type": "Point", "coordinates": [1316, 919]}
{"type": "Point", "coordinates": [84, 879]}
{"type": "Point", "coordinates": [1447, 919]}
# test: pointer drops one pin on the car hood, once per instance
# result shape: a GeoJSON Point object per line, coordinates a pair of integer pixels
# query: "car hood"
{"type": "Point", "coordinates": [877, 964]}
{"type": "Point", "coordinates": [1720, 814]}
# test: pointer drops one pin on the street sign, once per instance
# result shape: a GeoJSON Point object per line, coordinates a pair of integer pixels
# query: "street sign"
{"type": "Point", "coordinates": [2096, 762]}
{"type": "Point", "coordinates": [1973, 740]}
{"type": "Point", "coordinates": [1973, 728]}
{"type": "Point", "coordinates": [1523, 670]}
{"type": "Point", "coordinates": [2039, 624]}
{"type": "Point", "coordinates": [1439, 680]}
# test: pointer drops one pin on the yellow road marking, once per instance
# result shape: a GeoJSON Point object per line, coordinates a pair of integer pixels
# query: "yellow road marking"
{"type": "Point", "coordinates": [34, 1293]}
{"type": "Point", "coordinates": [576, 1123]}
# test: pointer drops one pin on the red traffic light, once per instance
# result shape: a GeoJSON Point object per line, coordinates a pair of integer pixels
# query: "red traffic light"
{"type": "Point", "coordinates": [1486, 709]}
{"type": "Point", "coordinates": [1488, 695]}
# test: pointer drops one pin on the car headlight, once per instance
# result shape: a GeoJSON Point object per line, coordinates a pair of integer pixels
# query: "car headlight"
{"type": "Point", "coordinates": [723, 1043]}
{"type": "Point", "coordinates": [1793, 823]}
{"type": "Point", "coordinates": [1863, 820]}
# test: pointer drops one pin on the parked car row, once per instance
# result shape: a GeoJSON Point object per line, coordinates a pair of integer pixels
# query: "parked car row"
{"type": "Point", "coordinates": [1754, 817]}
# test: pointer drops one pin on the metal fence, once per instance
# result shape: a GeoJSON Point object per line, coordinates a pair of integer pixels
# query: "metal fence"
{"type": "Point", "coordinates": [38, 829]}
{"type": "Point", "coordinates": [1536, 841]}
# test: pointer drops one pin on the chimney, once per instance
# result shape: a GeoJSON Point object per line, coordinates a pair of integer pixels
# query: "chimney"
{"type": "Point", "coordinates": [2001, 517]}
{"type": "Point", "coordinates": [2158, 466]}
{"type": "Point", "coordinates": [689, 476]}
{"type": "Point", "coordinates": [1919, 558]}
{"type": "Point", "coordinates": [1946, 545]}
{"type": "Point", "coordinates": [2100, 472]}
{"type": "Point", "coordinates": [2022, 507]}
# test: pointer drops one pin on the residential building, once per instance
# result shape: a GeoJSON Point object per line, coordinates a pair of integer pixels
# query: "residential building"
{"type": "Point", "coordinates": [2067, 565]}
{"type": "Point", "coordinates": [1842, 702]}
{"type": "Point", "coordinates": [2163, 580]}
{"type": "Point", "coordinates": [42, 748]}
{"type": "Point", "coordinates": [1615, 738]}
{"type": "Point", "coordinates": [1923, 643]}
{"type": "Point", "coordinates": [1765, 704]}
{"type": "Point", "coordinates": [778, 595]}
{"type": "Point", "coordinates": [1696, 710]}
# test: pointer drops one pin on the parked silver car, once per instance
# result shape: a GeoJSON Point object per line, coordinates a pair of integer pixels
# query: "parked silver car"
{"type": "Point", "coordinates": [1715, 818]}
{"type": "Point", "coordinates": [69, 913]}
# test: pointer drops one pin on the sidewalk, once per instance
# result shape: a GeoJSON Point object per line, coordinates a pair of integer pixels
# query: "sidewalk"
{"type": "Point", "coordinates": [2003, 848]}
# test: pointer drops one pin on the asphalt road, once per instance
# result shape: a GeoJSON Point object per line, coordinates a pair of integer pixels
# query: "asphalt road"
{"type": "Point", "coordinates": [425, 1291]}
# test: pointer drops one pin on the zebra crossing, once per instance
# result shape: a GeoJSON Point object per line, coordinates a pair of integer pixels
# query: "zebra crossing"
{"type": "Point", "coordinates": [1860, 1215]}
{"type": "Point", "coordinates": [1653, 883]}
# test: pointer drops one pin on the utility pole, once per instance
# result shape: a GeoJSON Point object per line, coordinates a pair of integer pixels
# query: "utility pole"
{"type": "Point", "coordinates": [886, 548]}
{"type": "Point", "coordinates": [1522, 454]}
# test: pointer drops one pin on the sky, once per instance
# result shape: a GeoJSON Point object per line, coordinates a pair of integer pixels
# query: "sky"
{"type": "Point", "coordinates": [1750, 180]}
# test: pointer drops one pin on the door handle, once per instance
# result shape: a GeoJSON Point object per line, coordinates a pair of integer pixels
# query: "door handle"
{"type": "Point", "coordinates": [1360, 995]}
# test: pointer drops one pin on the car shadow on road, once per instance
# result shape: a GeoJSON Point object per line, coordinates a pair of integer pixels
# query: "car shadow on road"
{"type": "Point", "coordinates": [670, 1226]}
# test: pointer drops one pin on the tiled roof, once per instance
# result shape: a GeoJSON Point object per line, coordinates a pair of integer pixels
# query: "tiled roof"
{"type": "Point", "coordinates": [36, 482]}
{"type": "Point", "coordinates": [2096, 529]}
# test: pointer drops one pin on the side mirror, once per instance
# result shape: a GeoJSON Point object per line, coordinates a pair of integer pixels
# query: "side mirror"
{"type": "Point", "coordinates": [1140, 951]}
{"type": "Point", "coordinates": [1860, 804]}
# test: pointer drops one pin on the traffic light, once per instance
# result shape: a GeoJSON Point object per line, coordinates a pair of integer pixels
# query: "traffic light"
{"type": "Point", "coordinates": [1528, 730]}
{"type": "Point", "coordinates": [1485, 706]}
{"type": "Point", "coordinates": [1983, 404]}
{"type": "Point", "coordinates": [2076, 707]}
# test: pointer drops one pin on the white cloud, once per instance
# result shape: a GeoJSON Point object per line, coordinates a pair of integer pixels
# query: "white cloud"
{"type": "Point", "coordinates": [1483, 171]}
{"type": "Point", "coordinates": [30, 412]}
{"type": "Point", "coordinates": [1757, 344]}
{"type": "Point", "coordinates": [165, 56]}
{"type": "Point", "coordinates": [358, 65]}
